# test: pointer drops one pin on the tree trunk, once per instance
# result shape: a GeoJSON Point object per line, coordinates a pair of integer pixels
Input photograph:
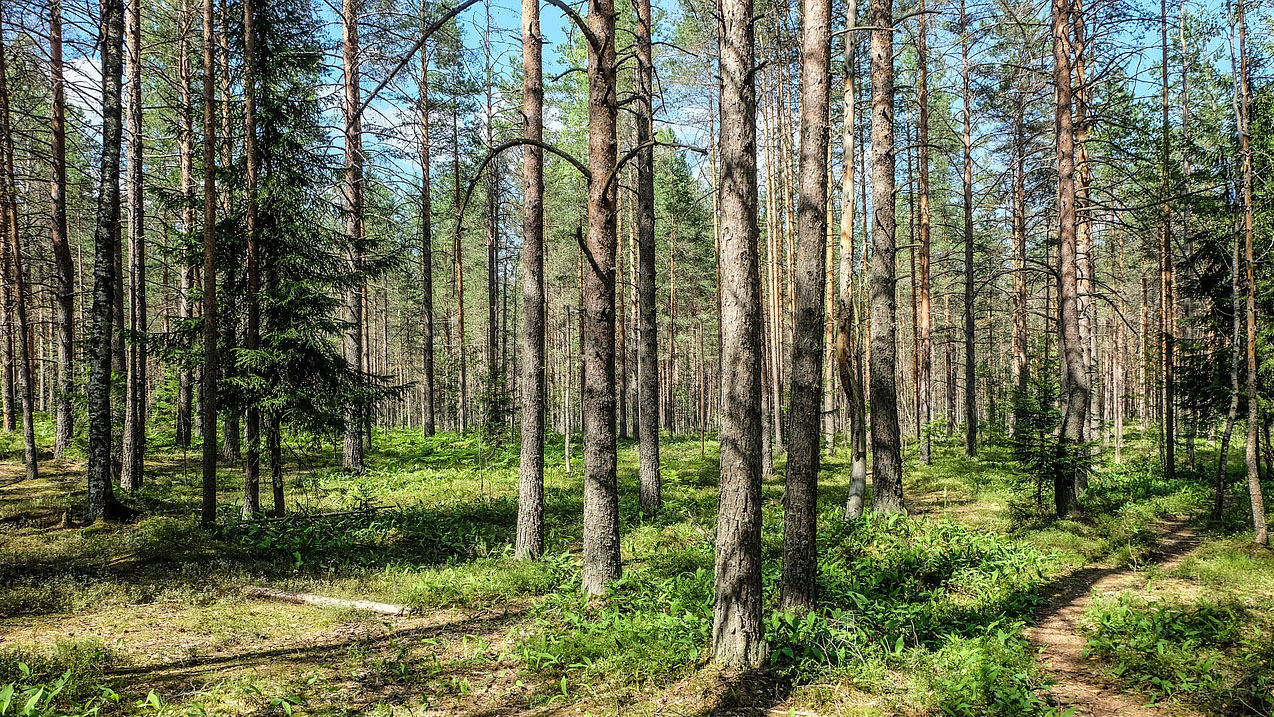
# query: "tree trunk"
{"type": "Point", "coordinates": [63, 268]}
{"type": "Point", "coordinates": [1167, 322]}
{"type": "Point", "coordinates": [353, 191]}
{"type": "Point", "coordinates": [847, 359]}
{"type": "Point", "coordinates": [16, 275]}
{"type": "Point", "coordinates": [885, 439]}
{"type": "Point", "coordinates": [1020, 297]}
{"type": "Point", "coordinates": [1253, 405]}
{"type": "Point", "coordinates": [647, 329]}
{"type": "Point", "coordinates": [101, 497]}
{"type": "Point", "coordinates": [462, 395]}
{"type": "Point", "coordinates": [1074, 377]}
{"type": "Point", "coordinates": [530, 529]}
{"type": "Point", "coordinates": [426, 246]}
{"type": "Point", "coordinates": [800, 500]}
{"type": "Point", "coordinates": [186, 161]}
{"type": "Point", "coordinates": [738, 635]}
{"type": "Point", "coordinates": [970, 365]}
{"type": "Point", "coordinates": [597, 325]}
{"type": "Point", "coordinates": [134, 451]}
{"type": "Point", "coordinates": [208, 379]}
{"type": "Point", "coordinates": [925, 350]}
{"type": "Point", "coordinates": [252, 340]}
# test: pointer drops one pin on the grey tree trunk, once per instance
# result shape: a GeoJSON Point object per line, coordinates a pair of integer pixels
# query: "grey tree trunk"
{"type": "Point", "coordinates": [64, 269]}
{"type": "Point", "coordinates": [886, 441]}
{"type": "Point", "coordinates": [134, 451]}
{"type": "Point", "coordinates": [738, 635]}
{"type": "Point", "coordinates": [597, 319]}
{"type": "Point", "coordinates": [530, 529]}
{"type": "Point", "coordinates": [800, 500]}
{"type": "Point", "coordinates": [647, 329]}
{"type": "Point", "coordinates": [101, 496]}
{"type": "Point", "coordinates": [848, 362]}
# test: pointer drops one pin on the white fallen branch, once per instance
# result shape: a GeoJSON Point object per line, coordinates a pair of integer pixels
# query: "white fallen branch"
{"type": "Point", "coordinates": [324, 601]}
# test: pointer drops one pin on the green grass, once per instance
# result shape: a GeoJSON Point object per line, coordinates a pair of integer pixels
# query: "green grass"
{"type": "Point", "coordinates": [917, 613]}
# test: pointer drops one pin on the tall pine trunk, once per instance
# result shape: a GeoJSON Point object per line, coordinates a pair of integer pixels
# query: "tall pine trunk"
{"type": "Point", "coordinates": [101, 497]}
{"type": "Point", "coordinates": [353, 191]}
{"type": "Point", "coordinates": [530, 528]}
{"type": "Point", "coordinates": [64, 270]}
{"type": "Point", "coordinates": [208, 378]}
{"type": "Point", "coordinates": [134, 451]}
{"type": "Point", "coordinates": [738, 635]}
{"type": "Point", "coordinates": [597, 319]}
{"type": "Point", "coordinates": [1074, 377]}
{"type": "Point", "coordinates": [1253, 405]}
{"type": "Point", "coordinates": [886, 441]}
{"type": "Point", "coordinates": [970, 358]}
{"type": "Point", "coordinates": [800, 500]}
{"type": "Point", "coordinates": [252, 338]}
{"type": "Point", "coordinates": [16, 272]}
{"type": "Point", "coordinates": [647, 328]}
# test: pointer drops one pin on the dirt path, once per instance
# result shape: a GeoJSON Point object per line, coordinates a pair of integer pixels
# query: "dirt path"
{"type": "Point", "coordinates": [1057, 632]}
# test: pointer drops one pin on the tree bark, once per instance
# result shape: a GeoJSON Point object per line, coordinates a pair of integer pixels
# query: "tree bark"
{"type": "Point", "coordinates": [647, 332]}
{"type": "Point", "coordinates": [800, 500]}
{"type": "Point", "coordinates": [101, 497]}
{"type": "Point", "coordinates": [1253, 408]}
{"type": "Point", "coordinates": [427, 409]}
{"type": "Point", "coordinates": [64, 270]}
{"type": "Point", "coordinates": [208, 379]}
{"type": "Point", "coordinates": [353, 191]}
{"type": "Point", "coordinates": [16, 275]}
{"type": "Point", "coordinates": [738, 635]}
{"type": "Point", "coordinates": [1074, 377]}
{"type": "Point", "coordinates": [597, 335]}
{"type": "Point", "coordinates": [848, 362]}
{"type": "Point", "coordinates": [1167, 322]}
{"type": "Point", "coordinates": [134, 450]}
{"type": "Point", "coordinates": [252, 340]}
{"type": "Point", "coordinates": [970, 365]}
{"type": "Point", "coordinates": [885, 439]}
{"type": "Point", "coordinates": [925, 350]}
{"type": "Point", "coordinates": [530, 528]}
{"type": "Point", "coordinates": [186, 161]}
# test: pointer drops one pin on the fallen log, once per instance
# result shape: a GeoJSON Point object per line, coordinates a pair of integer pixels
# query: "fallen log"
{"type": "Point", "coordinates": [324, 601]}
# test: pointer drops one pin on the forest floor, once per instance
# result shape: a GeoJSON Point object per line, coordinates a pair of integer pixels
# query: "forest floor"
{"type": "Point", "coordinates": [976, 603]}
